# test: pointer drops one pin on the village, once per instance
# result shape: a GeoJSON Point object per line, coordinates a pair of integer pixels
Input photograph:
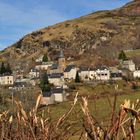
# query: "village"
{"type": "Point", "coordinates": [53, 77]}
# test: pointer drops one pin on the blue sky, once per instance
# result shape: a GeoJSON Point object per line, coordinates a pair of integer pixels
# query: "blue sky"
{"type": "Point", "coordinates": [19, 17]}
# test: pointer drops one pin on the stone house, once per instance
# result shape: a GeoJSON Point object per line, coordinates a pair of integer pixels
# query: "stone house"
{"type": "Point", "coordinates": [128, 64]}
{"type": "Point", "coordinates": [84, 73]}
{"type": "Point", "coordinates": [136, 74]}
{"type": "Point", "coordinates": [59, 94]}
{"type": "Point", "coordinates": [57, 79]}
{"type": "Point", "coordinates": [102, 73]}
{"type": "Point", "coordinates": [34, 73]}
{"type": "Point", "coordinates": [47, 98]}
{"type": "Point", "coordinates": [70, 72]}
{"type": "Point", "coordinates": [6, 79]}
{"type": "Point", "coordinates": [43, 65]}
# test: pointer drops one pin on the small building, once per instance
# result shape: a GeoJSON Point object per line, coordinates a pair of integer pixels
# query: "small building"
{"type": "Point", "coordinates": [70, 72]}
{"type": "Point", "coordinates": [59, 94]}
{"type": "Point", "coordinates": [92, 73]}
{"type": "Point", "coordinates": [53, 69]}
{"type": "Point", "coordinates": [39, 59]}
{"type": "Point", "coordinates": [136, 74]}
{"type": "Point", "coordinates": [115, 74]}
{"type": "Point", "coordinates": [47, 98]}
{"type": "Point", "coordinates": [102, 73]}
{"type": "Point", "coordinates": [57, 79]}
{"type": "Point", "coordinates": [84, 73]}
{"type": "Point", "coordinates": [34, 73]}
{"type": "Point", "coordinates": [43, 65]}
{"type": "Point", "coordinates": [20, 86]}
{"type": "Point", "coordinates": [128, 64]}
{"type": "Point", "coordinates": [6, 79]}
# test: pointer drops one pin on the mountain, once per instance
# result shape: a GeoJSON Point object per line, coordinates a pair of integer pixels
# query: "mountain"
{"type": "Point", "coordinates": [93, 39]}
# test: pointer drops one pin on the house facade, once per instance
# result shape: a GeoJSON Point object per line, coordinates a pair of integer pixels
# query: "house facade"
{"type": "Point", "coordinates": [70, 72]}
{"type": "Point", "coordinates": [43, 65]}
{"type": "Point", "coordinates": [84, 73]}
{"type": "Point", "coordinates": [102, 73]}
{"type": "Point", "coordinates": [47, 98]}
{"type": "Point", "coordinates": [128, 64]}
{"type": "Point", "coordinates": [57, 79]}
{"type": "Point", "coordinates": [34, 73]}
{"type": "Point", "coordinates": [115, 74]}
{"type": "Point", "coordinates": [59, 94]}
{"type": "Point", "coordinates": [6, 79]}
{"type": "Point", "coordinates": [136, 74]}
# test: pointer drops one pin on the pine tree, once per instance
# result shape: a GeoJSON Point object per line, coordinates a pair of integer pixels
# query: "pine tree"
{"type": "Point", "coordinates": [44, 84]}
{"type": "Point", "coordinates": [45, 58]}
{"type": "Point", "coordinates": [122, 56]}
{"type": "Point", "coordinates": [77, 78]}
{"type": "Point", "coordinates": [2, 69]}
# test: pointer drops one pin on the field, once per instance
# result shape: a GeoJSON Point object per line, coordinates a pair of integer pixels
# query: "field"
{"type": "Point", "coordinates": [71, 119]}
{"type": "Point", "coordinates": [133, 53]}
{"type": "Point", "coordinates": [100, 106]}
{"type": "Point", "coordinates": [101, 109]}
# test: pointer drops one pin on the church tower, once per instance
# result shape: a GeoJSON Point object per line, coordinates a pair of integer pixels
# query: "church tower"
{"type": "Point", "coordinates": [61, 61]}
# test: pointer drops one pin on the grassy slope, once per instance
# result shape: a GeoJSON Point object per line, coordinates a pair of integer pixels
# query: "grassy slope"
{"type": "Point", "coordinates": [133, 53]}
{"type": "Point", "coordinates": [99, 108]}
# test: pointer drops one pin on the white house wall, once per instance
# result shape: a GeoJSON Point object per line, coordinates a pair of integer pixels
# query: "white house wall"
{"type": "Point", "coordinates": [136, 74]}
{"type": "Point", "coordinates": [59, 97]}
{"type": "Point", "coordinates": [71, 74]}
{"type": "Point", "coordinates": [56, 81]}
{"type": "Point", "coordinates": [6, 80]}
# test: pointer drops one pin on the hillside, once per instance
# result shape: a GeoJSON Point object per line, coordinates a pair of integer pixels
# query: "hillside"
{"type": "Point", "coordinates": [93, 39]}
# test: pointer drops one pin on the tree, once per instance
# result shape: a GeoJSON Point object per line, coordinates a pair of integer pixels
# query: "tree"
{"type": "Point", "coordinates": [77, 78]}
{"type": "Point", "coordinates": [2, 69]}
{"type": "Point", "coordinates": [44, 84]}
{"type": "Point", "coordinates": [45, 58]}
{"type": "Point", "coordinates": [122, 55]}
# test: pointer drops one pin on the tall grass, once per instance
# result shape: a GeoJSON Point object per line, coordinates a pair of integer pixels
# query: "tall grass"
{"type": "Point", "coordinates": [33, 125]}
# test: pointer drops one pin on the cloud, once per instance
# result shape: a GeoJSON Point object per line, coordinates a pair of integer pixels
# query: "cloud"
{"type": "Point", "coordinates": [17, 21]}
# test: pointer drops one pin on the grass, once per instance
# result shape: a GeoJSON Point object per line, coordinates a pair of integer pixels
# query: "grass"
{"type": "Point", "coordinates": [100, 109]}
{"type": "Point", "coordinates": [66, 119]}
{"type": "Point", "coordinates": [133, 53]}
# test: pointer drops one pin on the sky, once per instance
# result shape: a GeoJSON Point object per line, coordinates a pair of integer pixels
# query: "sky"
{"type": "Point", "coordinates": [20, 17]}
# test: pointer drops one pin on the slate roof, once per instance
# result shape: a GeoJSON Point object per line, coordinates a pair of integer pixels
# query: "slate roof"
{"type": "Point", "coordinates": [56, 75]}
{"type": "Point", "coordinates": [54, 66]}
{"type": "Point", "coordinates": [5, 74]}
{"type": "Point", "coordinates": [113, 75]}
{"type": "Point", "coordinates": [47, 94]}
{"type": "Point", "coordinates": [57, 90]}
{"type": "Point", "coordinates": [84, 69]}
{"type": "Point", "coordinates": [102, 68]}
{"type": "Point", "coordinates": [69, 67]}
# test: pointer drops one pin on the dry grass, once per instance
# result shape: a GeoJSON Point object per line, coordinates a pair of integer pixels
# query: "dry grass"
{"type": "Point", "coordinates": [30, 125]}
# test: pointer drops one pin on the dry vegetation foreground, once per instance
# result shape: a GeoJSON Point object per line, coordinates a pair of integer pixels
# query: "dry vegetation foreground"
{"type": "Point", "coordinates": [109, 118]}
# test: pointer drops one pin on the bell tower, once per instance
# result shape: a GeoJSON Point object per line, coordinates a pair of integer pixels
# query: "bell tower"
{"type": "Point", "coordinates": [61, 61]}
